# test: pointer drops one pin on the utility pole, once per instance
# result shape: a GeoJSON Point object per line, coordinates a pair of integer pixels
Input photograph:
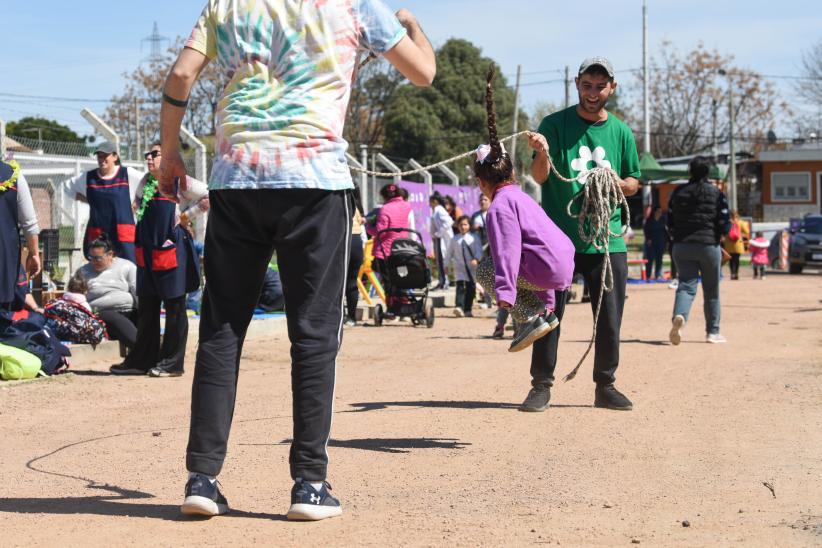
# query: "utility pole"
{"type": "Point", "coordinates": [138, 140]}
{"type": "Point", "coordinates": [567, 86]}
{"type": "Point", "coordinates": [364, 178]}
{"type": "Point", "coordinates": [715, 146]}
{"type": "Point", "coordinates": [515, 125]}
{"type": "Point", "coordinates": [732, 170]}
{"type": "Point", "coordinates": [646, 81]}
{"type": "Point", "coordinates": [732, 140]}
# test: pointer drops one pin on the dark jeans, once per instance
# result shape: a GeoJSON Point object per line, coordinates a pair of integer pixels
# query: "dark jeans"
{"type": "Point", "coordinates": [121, 326]}
{"type": "Point", "coordinates": [466, 292]}
{"type": "Point", "coordinates": [442, 274]}
{"type": "Point", "coordinates": [654, 253]}
{"type": "Point", "coordinates": [606, 346]}
{"type": "Point", "coordinates": [310, 231]}
{"type": "Point", "coordinates": [352, 292]}
{"type": "Point", "coordinates": [734, 264]}
{"type": "Point", "coordinates": [674, 271]}
{"type": "Point", "coordinates": [147, 352]}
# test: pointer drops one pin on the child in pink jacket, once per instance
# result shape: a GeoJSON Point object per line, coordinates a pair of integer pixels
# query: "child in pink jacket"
{"type": "Point", "coordinates": [759, 255]}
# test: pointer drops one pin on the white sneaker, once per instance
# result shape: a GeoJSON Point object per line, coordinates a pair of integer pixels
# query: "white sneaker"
{"type": "Point", "coordinates": [459, 313]}
{"type": "Point", "coordinates": [674, 284]}
{"type": "Point", "coordinates": [715, 338]}
{"type": "Point", "coordinates": [675, 336]}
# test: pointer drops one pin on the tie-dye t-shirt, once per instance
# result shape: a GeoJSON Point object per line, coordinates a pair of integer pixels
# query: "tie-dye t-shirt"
{"type": "Point", "coordinates": [288, 65]}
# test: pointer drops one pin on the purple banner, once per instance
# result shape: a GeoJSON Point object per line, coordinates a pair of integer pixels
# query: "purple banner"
{"type": "Point", "coordinates": [466, 197]}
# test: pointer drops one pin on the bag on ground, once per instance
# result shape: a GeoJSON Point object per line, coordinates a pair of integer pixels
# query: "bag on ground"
{"type": "Point", "coordinates": [17, 365]}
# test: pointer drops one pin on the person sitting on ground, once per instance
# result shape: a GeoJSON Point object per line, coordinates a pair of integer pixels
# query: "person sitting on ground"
{"type": "Point", "coordinates": [759, 254]}
{"type": "Point", "coordinates": [70, 317]}
{"type": "Point", "coordinates": [464, 253]}
{"type": "Point", "coordinates": [112, 290]}
{"type": "Point", "coordinates": [530, 256]}
{"type": "Point", "coordinates": [697, 219]}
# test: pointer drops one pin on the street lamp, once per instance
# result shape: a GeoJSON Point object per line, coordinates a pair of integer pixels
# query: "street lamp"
{"type": "Point", "coordinates": [732, 139]}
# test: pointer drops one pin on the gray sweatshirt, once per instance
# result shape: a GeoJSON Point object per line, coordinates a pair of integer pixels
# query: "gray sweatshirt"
{"type": "Point", "coordinates": [115, 288]}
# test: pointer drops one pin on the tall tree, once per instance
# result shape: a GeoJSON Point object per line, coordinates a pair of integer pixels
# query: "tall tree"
{"type": "Point", "coordinates": [685, 91]}
{"type": "Point", "coordinates": [372, 91]}
{"type": "Point", "coordinates": [37, 128]}
{"type": "Point", "coordinates": [810, 87]}
{"type": "Point", "coordinates": [144, 87]}
{"type": "Point", "coordinates": [431, 124]}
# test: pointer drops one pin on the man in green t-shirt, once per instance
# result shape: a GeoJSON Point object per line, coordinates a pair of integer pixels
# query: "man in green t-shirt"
{"type": "Point", "coordinates": [579, 139]}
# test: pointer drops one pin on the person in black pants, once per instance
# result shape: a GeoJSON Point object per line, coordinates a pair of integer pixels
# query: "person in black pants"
{"type": "Point", "coordinates": [355, 259]}
{"type": "Point", "coordinates": [279, 183]}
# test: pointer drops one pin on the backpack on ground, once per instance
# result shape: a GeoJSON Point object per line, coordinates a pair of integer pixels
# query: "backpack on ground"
{"type": "Point", "coordinates": [17, 365]}
{"type": "Point", "coordinates": [73, 323]}
{"type": "Point", "coordinates": [34, 337]}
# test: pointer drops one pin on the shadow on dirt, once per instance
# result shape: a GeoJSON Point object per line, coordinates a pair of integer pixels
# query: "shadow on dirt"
{"type": "Point", "coordinates": [387, 445]}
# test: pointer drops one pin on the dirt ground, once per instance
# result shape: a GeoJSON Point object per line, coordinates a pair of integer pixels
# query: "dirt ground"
{"type": "Point", "coordinates": [429, 449]}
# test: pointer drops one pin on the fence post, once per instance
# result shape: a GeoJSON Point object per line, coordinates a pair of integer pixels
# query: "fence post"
{"type": "Point", "coordinates": [200, 165]}
{"type": "Point", "coordinates": [383, 159]}
{"type": "Point", "coordinates": [426, 175]}
{"type": "Point", "coordinates": [450, 174]}
{"type": "Point", "coordinates": [2, 139]}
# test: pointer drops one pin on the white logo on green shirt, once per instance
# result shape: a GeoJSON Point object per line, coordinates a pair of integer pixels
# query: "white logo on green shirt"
{"type": "Point", "coordinates": [585, 158]}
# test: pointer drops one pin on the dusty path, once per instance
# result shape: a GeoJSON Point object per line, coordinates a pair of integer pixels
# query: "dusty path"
{"type": "Point", "coordinates": [429, 449]}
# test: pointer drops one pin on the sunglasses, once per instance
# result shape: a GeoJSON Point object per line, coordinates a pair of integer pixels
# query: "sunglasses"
{"type": "Point", "coordinates": [153, 154]}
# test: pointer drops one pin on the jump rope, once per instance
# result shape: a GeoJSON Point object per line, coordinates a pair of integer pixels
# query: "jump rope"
{"type": "Point", "coordinates": [598, 199]}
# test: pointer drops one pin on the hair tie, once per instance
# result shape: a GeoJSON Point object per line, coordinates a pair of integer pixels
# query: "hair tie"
{"type": "Point", "coordinates": [483, 152]}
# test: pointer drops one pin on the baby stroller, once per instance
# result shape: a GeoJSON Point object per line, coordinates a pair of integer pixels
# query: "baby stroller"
{"type": "Point", "coordinates": [405, 277]}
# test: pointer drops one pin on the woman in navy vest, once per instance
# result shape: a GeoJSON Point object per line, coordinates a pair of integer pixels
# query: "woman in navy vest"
{"type": "Point", "coordinates": [16, 212]}
{"type": "Point", "coordinates": [167, 270]}
{"type": "Point", "coordinates": [109, 191]}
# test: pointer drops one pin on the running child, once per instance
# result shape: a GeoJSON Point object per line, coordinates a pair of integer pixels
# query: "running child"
{"type": "Point", "coordinates": [759, 254]}
{"type": "Point", "coordinates": [530, 256]}
{"type": "Point", "coordinates": [465, 252]}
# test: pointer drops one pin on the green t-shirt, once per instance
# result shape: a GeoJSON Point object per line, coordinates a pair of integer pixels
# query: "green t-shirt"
{"type": "Point", "coordinates": [576, 146]}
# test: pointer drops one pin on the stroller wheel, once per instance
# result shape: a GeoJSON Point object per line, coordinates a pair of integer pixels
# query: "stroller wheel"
{"type": "Point", "coordinates": [429, 313]}
{"type": "Point", "coordinates": [378, 315]}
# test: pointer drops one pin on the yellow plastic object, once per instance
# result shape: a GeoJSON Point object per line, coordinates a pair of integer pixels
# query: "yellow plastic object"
{"type": "Point", "coordinates": [367, 271]}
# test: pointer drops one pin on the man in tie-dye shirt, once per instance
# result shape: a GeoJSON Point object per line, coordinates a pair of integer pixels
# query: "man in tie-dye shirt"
{"type": "Point", "coordinates": [280, 182]}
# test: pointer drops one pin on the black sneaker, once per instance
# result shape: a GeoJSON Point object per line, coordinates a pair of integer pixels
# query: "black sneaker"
{"type": "Point", "coordinates": [538, 399]}
{"type": "Point", "coordinates": [203, 498]}
{"type": "Point", "coordinates": [308, 504]}
{"type": "Point", "coordinates": [125, 369]}
{"type": "Point", "coordinates": [608, 397]}
{"type": "Point", "coordinates": [533, 329]}
{"type": "Point", "coordinates": [499, 332]}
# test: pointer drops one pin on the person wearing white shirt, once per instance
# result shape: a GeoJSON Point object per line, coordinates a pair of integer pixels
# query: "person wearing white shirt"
{"type": "Point", "coordinates": [109, 190]}
{"type": "Point", "coordinates": [441, 233]}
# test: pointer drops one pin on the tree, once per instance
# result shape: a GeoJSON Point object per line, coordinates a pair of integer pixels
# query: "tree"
{"type": "Point", "coordinates": [373, 89]}
{"type": "Point", "coordinates": [685, 91]}
{"type": "Point", "coordinates": [144, 87]}
{"type": "Point", "coordinates": [42, 128]}
{"type": "Point", "coordinates": [434, 123]}
{"type": "Point", "coordinates": [810, 87]}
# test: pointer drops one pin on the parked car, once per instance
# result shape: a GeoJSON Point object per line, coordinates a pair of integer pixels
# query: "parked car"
{"type": "Point", "coordinates": [805, 245]}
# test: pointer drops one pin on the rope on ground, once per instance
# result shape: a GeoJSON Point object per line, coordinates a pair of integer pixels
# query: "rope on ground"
{"type": "Point", "coordinates": [600, 196]}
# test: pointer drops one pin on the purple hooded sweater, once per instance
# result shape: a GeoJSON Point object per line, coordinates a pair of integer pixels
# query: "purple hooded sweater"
{"type": "Point", "coordinates": [525, 242]}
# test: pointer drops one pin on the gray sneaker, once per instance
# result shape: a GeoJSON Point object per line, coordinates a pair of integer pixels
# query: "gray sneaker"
{"type": "Point", "coordinates": [675, 336]}
{"type": "Point", "coordinates": [715, 338]}
{"type": "Point", "coordinates": [533, 329]}
{"type": "Point", "coordinates": [538, 399]}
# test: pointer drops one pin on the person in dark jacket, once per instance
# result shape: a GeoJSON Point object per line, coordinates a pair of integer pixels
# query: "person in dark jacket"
{"type": "Point", "coordinates": [697, 219]}
{"type": "Point", "coordinates": [656, 240]}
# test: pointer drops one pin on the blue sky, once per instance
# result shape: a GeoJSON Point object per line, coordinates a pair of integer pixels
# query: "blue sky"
{"type": "Point", "coordinates": [80, 49]}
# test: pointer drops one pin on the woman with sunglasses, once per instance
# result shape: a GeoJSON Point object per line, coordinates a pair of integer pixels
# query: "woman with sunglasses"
{"type": "Point", "coordinates": [167, 270]}
{"type": "Point", "coordinates": [109, 191]}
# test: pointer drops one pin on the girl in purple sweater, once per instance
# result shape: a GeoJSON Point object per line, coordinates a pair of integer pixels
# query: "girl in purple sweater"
{"type": "Point", "coordinates": [530, 256]}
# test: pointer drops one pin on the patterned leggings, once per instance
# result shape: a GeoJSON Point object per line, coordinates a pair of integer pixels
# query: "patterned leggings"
{"type": "Point", "coordinates": [528, 302]}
